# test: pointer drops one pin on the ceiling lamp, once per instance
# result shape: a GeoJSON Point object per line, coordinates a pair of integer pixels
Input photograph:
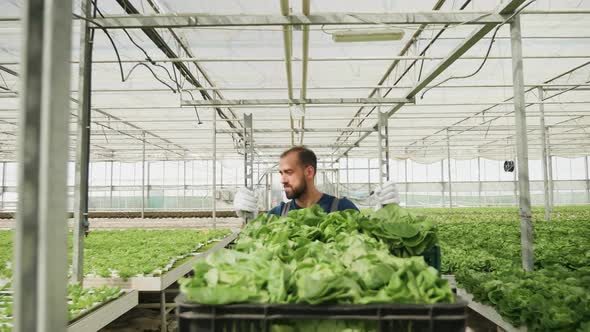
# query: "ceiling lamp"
{"type": "Point", "coordinates": [350, 36]}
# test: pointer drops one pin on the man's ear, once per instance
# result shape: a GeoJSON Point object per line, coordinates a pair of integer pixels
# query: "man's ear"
{"type": "Point", "coordinates": [309, 172]}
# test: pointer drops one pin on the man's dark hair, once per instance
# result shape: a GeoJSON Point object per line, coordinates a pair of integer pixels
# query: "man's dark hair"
{"type": "Point", "coordinates": [305, 155]}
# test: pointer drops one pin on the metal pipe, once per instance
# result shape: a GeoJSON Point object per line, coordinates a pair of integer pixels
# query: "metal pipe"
{"type": "Point", "coordinates": [449, 170]}
{"type": "Point", "coordinates": [3, 185]}
{"type": "Point", "coordinates": [526, 227]}
{"type": "Point", "coordinates": [442, 182]}
{"type": "Point", "coordinates": [406, 180]}
{"type": "Point", "coordinates": [83, 146]}
{"type": "Point", "coordinates": [54, 142]}
{"type": "Point", "coordinates": [333, 59]}
{"type": "Point", "coordinates": [479, 180]}
{"type": "Point", "coordinates": [304, 65]}
{"type": "Point", "coordinates": [143, 178]}
{"type": "Point", "coordinates": [26, 235]}
{"type": "Point", "coordinates": [214, 171]}
{"type": "Point", "coordinates": [544, 156]}
{"type": "Point", "coordinates": [550, 166]}
{"type": "Point", "coordinates": [288, 48]}
{"type": "Point", "coordinates": [587, 179]}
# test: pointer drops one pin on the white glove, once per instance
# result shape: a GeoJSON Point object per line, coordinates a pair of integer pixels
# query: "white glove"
{"type": "Point", "coordinates": [387, 194]}
{"type": "Point", "coordinates": [245, 203]}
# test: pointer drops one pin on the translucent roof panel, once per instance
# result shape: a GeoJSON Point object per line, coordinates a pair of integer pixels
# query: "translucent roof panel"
{"type": "Point", "coordinates": [140, 94]}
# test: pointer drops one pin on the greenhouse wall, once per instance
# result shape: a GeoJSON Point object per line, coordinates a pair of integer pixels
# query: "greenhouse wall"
{"type": "Point", "coordinates": [187, 184]}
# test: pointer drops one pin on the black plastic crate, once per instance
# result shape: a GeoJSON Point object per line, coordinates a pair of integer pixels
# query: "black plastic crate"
{"type": "Point", "coordinates": [194, 317]}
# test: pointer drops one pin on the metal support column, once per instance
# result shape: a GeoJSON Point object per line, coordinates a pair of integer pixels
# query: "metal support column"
{"type": "Point", "coordinates": [586, 177]}
{"type": "Point", "coordinates": [3, 185]}
{"type": "Point", "coordinates": [148, 187]}
{"type": "Point", "coordinates": [347, 177]}
{"type": "Point", "coordinates": [526, 226]}
{"type": "Point", "coordinates": [406, 180]}
{"type": "Point", "coordinates": [442, 182]}
{"type": "Point", "coordinates": [479, 179]}
{"type": "Point", "coordinates": [248, 152]}
{"type": "Point", "coordinates": [449, 170]}
{"type": "Point", "coordinates": [40, 244]}
{"type": "Point", "coordinates": [544, 154]}
{"type": "Point", "coordinates": [248, 156]}
{"type": "Point", "coordinates": [214, 170]}
{"type": "Point", "coordinates": [184, 183]}
{"type": "Point", "coordinates": [83, 145]}
{"type": "Point", "coordinates": [26, 234]}
{"type": "Point", "coordinates": [550, 169]}
{"type": "Point", "coordinates": [515, 185]}
{"type": "Point", "coordinates": [143, 176]}
{"type": "Point", "coordinates": [111, 185]}
{"type": "Point", "coordinates": [369, 173]}
{"type": "Point", "coordinates": [383, 145]}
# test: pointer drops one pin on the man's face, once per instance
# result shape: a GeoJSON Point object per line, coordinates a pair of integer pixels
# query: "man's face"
{"type": "Point", "coordinates": [293, 175]}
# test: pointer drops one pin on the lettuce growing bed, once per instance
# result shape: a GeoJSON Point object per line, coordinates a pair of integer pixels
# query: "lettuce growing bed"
{"type": "Point", "coordinates": [482, 248]}
{"type": "Point", "coordinates": [89, 309]}
{"type": "Point", "coordinates": [135, 259]}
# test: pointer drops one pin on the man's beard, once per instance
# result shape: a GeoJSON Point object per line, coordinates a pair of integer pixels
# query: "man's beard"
{"type": "Point", "coordinates": [297, 192]}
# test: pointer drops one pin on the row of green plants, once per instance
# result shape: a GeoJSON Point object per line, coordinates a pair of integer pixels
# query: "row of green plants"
{"type": "Point", "coordinates": [80, 301]}
{"type": "Point", "coordinates": [129, 253]}
{"type": "Point", "coordinates": [482, 248]}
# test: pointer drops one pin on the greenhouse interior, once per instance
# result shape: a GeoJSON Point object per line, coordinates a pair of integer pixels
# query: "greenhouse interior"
{"type": "Point", "coordinates": [313, 165]}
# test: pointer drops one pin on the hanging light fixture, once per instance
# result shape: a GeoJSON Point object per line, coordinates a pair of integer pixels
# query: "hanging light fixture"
{"type": "Point", "coordinates": [368, 35]}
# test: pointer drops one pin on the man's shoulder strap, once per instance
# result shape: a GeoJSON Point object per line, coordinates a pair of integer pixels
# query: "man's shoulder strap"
{"type": "Point", "coordinates": [285, 209]}
{"type": "Point", "coordinates": [334, 206]}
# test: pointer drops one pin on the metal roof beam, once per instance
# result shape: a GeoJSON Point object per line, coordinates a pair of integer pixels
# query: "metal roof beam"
{"type": "Point", "coordinates": [195, 20]}
{"type": "Point", "coordinates": [289, 102]}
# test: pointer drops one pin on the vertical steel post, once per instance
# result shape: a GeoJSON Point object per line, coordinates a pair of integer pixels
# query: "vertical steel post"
{"type": "Point", "coordinates": [406, 180]}
{"type": "Point", "coordinates": [214, 170]}
{"type": "Point", "coordinates": [347, 176]}
{"type": "Point", "coordinates": [526, 226]}
{"type": "Point", "coordinates": [515, 183]}
{"type": "Point", "coordinates": [184, 182]}
{"type": "Point", "coordinates": [369, 173]}
{"type": "Point", "coordinates": [266, 193]}
{"type": "Point", "coordinates": [148, 187]}
{"type": "Point", "coordinates": [586, 177]}
{"type": "Point", "coordinates": [449, 170]}
{"type": "Point", "coordinates": [442, 182]}
{"type": "Point", "coordinates": [143, 176]}
{"type": "Point", "coordinates": [382, 144]}
{"type": "Point", "coordinates": [550, 169]}
{"type": "Point", "coordinates": [544, 154]}
{"type": "Point", "coordinates": [248, 156]}
{"type": "Point", "coordinates": [479, 179]}
{"type": "Point", "coordinates": [3, 185]}
{"type": "Point", "coordinates": [81, 222]}
{"type": "Point", "coordinates": [26, 235]}
{"type": "Point", "coordinates": [248, 152]}
{"type": "Point", "coordinates": [54, 142]}
{"type": "Point", "coordinates": [111, 184]}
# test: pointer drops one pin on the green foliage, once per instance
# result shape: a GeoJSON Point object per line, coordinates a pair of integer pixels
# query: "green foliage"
{"type": "Point", "coordinates": [313, 257]}
{"type": "Point", "coordinates": [80, 301]}
{"type": "Point", "coordinates": [482, 248]}
{"type": "Point", "coordinates": [128, 253]}
{"type": "Point", "coordinates": [5, 254]}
